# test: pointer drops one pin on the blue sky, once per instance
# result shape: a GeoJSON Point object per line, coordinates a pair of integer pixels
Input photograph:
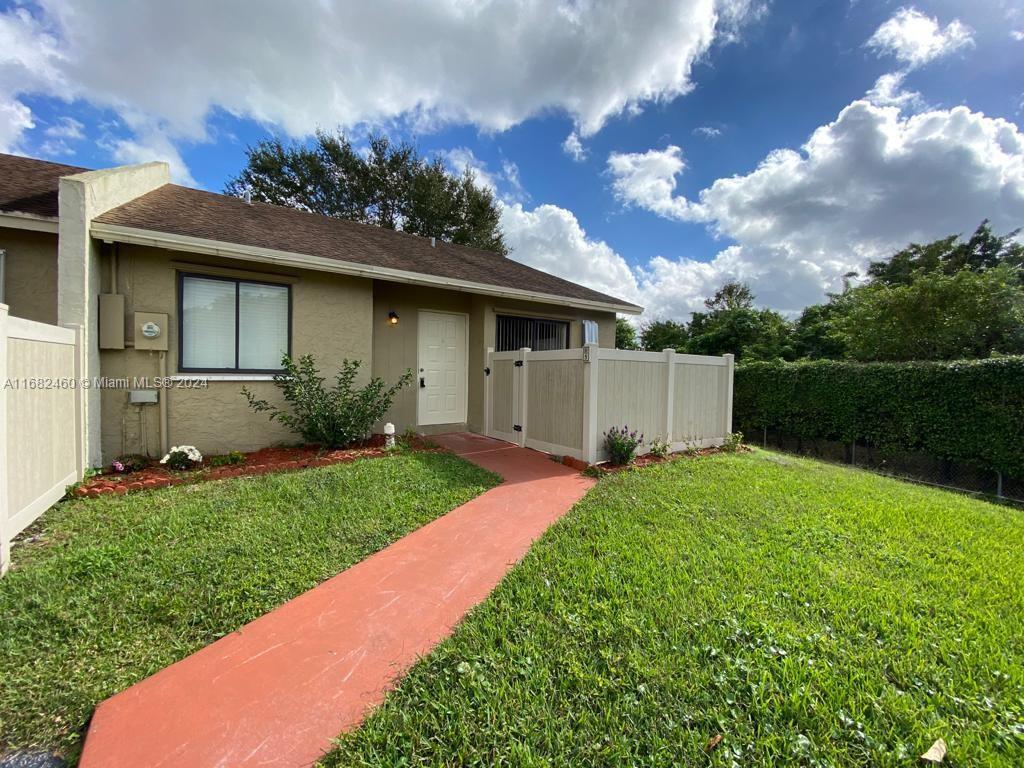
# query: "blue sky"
{"type": "Point", "coordinates": [692, 118]}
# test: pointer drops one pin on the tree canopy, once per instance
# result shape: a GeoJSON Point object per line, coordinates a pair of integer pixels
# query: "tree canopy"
{"type": "Point", "coordinates": [625, 334]}
{"type": "Point", "coordinates": [950, 299]}
{"type": "Point", "coordinates": [664, 334]}
{"type": "Point", "coordinates": [389, 185]}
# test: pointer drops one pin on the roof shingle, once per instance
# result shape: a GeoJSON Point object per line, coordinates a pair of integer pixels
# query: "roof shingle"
{"type": "Point", "coordinates": [30, 186]}
{"type": "Point", "coordinates": [194, 213]}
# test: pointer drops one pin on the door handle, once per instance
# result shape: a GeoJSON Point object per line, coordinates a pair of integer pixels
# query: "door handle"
{"type": "Point", "coordinates": [423, 383]}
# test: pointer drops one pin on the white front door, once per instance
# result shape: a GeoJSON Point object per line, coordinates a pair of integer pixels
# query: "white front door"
{"type": "Point", "coordinates": [443, 376]}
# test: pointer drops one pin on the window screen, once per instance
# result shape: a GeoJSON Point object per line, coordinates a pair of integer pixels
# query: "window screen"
{"type": "Point", "coordinates": [232, 325]}
{"type": "Point", "coordinates": [537, 334]}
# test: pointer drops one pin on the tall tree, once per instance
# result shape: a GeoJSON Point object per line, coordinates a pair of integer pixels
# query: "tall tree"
{"type": "Point", "coordinates": [981, 251]}
{"type": "Point", "coordinates": [815, 335]}
{"type": "Point", "coordinates": [664, 334]}
{"type": "Point", "coordinates": [935, 316]}
{"type": "Point", "coordinates": [389, 185]}
{"type": "Point", "coordinates": [625, 334]}
{"type": "Point", "coordinates": [732, 295]}
{"type": "Point", "coordinates": [733, 325]}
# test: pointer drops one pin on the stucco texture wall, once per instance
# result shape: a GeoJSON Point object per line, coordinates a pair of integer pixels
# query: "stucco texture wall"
{"type": "Point", "coordinates": [30, 289]}
{"type": "Point", "coordinates": [395, 346]}
{"type": "Point", "coordinates": [331, 319]}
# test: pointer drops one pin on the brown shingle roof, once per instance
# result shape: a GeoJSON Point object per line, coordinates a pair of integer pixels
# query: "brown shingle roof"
{"type": "Point", "coordinates": [194, 213]}
{"type": "Point", "coordinates": [30, 186]}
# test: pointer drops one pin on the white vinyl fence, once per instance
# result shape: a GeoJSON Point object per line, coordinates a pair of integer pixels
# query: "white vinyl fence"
{"type": "Point", "coordinates": [564, 401]}
{"type": "Point", "coordinates": [40, 421]}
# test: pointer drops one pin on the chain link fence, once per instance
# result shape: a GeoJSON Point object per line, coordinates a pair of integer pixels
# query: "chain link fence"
{"type": "Point", "coordinates": [917, 467]}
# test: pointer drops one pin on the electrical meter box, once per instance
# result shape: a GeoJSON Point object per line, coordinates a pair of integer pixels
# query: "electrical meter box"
{"type": "Point", "coordinates": [151, 331]}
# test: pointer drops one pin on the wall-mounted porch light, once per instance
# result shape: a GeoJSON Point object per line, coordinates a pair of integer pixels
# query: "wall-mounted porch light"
{"type": "Point", "coordinates": [392, 317]}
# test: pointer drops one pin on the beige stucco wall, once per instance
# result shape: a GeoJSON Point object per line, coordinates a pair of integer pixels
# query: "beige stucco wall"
{"type": "Point", "coordinates": [30, 274]}
{"type": "Point", "coordinates": [331, 319]}
{"type": "Point", "coordinates": [395, 347]}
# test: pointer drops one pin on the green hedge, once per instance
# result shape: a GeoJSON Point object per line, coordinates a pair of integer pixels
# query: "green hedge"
{"type": "Point", "coordinates": [966, 411]}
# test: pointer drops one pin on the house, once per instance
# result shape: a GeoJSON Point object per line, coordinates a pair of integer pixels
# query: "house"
{"type": "Point", "coordinates": [184, 296]}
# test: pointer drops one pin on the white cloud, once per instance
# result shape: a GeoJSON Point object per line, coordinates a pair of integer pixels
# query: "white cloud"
{"type": "Point", "coordinates": [888, 91]}
{"type": "Point", "coordinates": [1018, 35]}
{"type": "Point", "coordinates": [58, 136]}
{"type": "Point", "coordinates": [707, 131]}
{"type": "Point", "coordinates": [150, 145]}
{"type": "Point", "coordinates": [551, 239]}
{"type": "Point", "coordinates": [28, 57]}
{"type": "Point", "coordinates": [648, 180]}
{"type": "Point", "coordinates": [167, 66]}
{"type": "Point", "coordinates": [66, 128]}
{"type": "Point", "coordinates": [462, 159]}
{"type": "Point", "coordinates": [915, 39]}
{"type": "Point", "coordinates": [15, 119]}
{"type": "Point", "coordinates": [859, 188]}
{"type": "Point", "coordinates": [573, 147]}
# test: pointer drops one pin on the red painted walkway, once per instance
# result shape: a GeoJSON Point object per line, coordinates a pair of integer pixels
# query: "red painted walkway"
{"type": "Point", "coordinates": [277, 691]}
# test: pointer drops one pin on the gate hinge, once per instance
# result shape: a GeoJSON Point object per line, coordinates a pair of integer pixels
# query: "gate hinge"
{"type": "Point", "coordinates": [518, 363]}
{"type": "Point", "coordinates": [487, 371]}
{"type": "Point", "coordinates": [517, 427]}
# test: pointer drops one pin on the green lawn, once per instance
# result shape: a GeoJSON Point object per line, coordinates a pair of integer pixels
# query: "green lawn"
{"type": "Point", "coordinates": [117, 588]}
{"type": "Point", "coordinates": [810, 614]}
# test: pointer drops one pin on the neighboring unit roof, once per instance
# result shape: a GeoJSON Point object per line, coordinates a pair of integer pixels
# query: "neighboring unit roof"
{"type": "Point", "coordinates": [193, 213]}
{"type": "Point", "coordinates": [30, 186]}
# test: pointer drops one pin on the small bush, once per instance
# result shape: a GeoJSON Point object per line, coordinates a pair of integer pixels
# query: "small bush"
{"type": "Point", "coordinates": [659, 448]}
{"type": "Point", "coordinates": [182, 457]}
{"type": "Point", "coordinates": [227, 460]}
{"type": "Point", "coordinates": [333, 417]}
{"type": "Point", "coordinates": [732, 443]}
{"type": "Point", "coordinates": [621, 444]}
{"type": "Point", "coordinates": [129, 462]}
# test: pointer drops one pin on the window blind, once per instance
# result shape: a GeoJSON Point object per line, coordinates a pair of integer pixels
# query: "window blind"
{"type": "Point", "coordinates": [233, 324]}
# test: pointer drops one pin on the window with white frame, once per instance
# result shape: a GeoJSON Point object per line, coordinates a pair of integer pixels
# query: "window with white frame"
{"type": "Point", "coordinates": [590, 332]}
{"type": "Point", "coordinates": [232, 325]}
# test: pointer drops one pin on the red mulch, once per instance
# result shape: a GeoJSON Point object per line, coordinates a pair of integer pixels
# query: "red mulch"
{"type": "Point", "coordinates": [256, 463]}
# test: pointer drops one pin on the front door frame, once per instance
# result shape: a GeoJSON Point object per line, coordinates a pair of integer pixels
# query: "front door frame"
{"type": "Point", "coordinates": [419, 328]}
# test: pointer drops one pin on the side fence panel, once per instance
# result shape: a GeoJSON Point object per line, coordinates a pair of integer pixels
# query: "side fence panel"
{"type": "Point", "coordinates": [702, 400]}
{"type": "Point", "coordinates": [40, 430]}
{"type": "Point", "coordinates": [632, 391]}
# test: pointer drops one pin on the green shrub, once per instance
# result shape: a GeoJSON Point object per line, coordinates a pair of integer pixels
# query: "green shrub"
{"type": "Point", "coordinates": [732, 443]}
{"type": "Point", "coordinates": [129, 462]}
{"type": "Point", "coordinates": [967, 411]}
{"type": "Point", "coordinates": [621, 444]}
{"type": "Point", "coordinates": [333, 417]}
{"type": "Point", "coordinates": [227, 460]}
{"type": "Point", "coordinates": [659, 448]}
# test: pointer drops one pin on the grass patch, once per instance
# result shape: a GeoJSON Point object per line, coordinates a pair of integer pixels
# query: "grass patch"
{"type": "Point", "coordinates": [812, 615]}
{"type": "Point", "coordinates": [114, 589]}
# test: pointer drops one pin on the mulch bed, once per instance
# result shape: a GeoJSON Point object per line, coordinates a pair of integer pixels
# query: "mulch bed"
{"type": "Point", "coordinates": [256, 463]}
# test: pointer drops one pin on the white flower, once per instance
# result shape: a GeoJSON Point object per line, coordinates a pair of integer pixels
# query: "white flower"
{"type": "Point", "coordinates": [189, 450]}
